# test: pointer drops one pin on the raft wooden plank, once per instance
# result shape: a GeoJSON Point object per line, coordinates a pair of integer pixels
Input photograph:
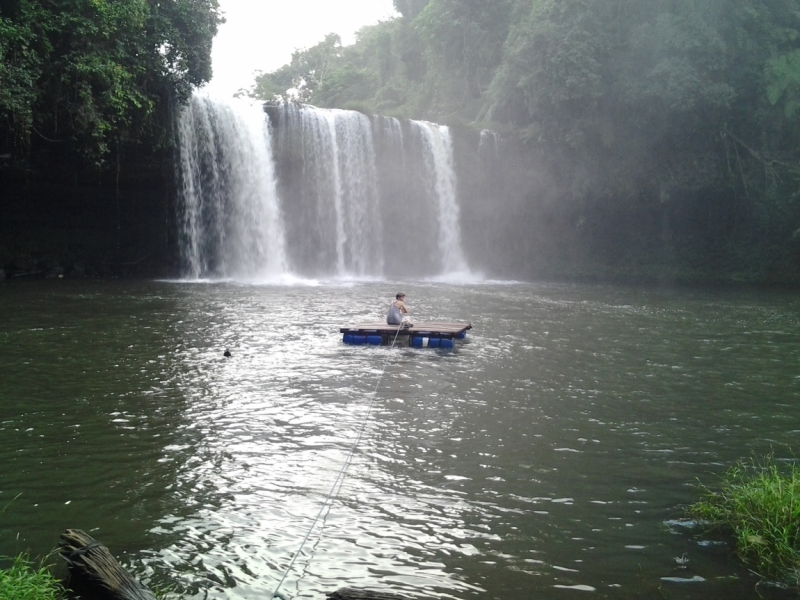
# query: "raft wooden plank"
{"type": "Point", "coordinates": [424, 327]}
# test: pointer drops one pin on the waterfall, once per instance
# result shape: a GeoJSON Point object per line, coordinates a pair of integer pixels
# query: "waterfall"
{"type": "Point", "coordinates": [230, 218]}
{"type": "Point", "coordinates": [438, 153]}
{"type": "Point", "coordinates": [327, 160]}
{"type": "Point", "coordinates": [489, 144]}
{"type": "Point", "coordinates": [314, 192]}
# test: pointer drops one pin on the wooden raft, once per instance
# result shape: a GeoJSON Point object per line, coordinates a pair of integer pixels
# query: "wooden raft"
{"type": "Point", "coordinates": [423, 330]}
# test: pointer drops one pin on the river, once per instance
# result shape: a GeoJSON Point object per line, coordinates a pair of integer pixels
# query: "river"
{"type": "Point", "coordinates": [550, 455]}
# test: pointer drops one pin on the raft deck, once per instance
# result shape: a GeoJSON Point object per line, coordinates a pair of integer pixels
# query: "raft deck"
{"type": "Point", "coordinates": [432, 334]}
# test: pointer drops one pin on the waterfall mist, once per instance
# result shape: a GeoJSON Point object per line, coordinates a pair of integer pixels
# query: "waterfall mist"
{"type": "Point", "coordinates": [230, 221]}
{"type": "Point", "coordinates": [329, 186]}
{"type": "Point", "coordinates": [438, 158]}
{"type": "Point", "coordinates": [293, 189]}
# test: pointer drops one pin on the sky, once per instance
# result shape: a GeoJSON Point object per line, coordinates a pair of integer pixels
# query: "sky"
{"type": "Point", "coordinates": [260, 35]}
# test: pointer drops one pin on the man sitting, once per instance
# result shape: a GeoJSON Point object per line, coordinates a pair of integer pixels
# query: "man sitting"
{"type": "Point", "coordinates": [398, 312]}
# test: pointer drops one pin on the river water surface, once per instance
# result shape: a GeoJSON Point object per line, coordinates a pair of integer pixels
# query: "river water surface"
{"type": "Point", "coordinates": [550, 455]}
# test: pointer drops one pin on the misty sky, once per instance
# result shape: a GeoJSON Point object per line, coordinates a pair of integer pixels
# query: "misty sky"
{"type": "Point", "coordinates": [260, 35]}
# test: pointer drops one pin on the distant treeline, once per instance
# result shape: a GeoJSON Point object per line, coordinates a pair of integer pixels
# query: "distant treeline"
{"type": "Point", "coordinates": [654, 139]}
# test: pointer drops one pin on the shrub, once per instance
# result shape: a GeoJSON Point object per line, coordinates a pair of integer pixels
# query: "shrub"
{"type": "Point", "coordinates": [760, 505]}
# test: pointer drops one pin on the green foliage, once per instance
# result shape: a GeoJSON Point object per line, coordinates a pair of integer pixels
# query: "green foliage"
{"type": "Point", "coordinates": [633, 108]}
{"type": "Point", "coordinates": [552, 76]}
{"type": "Point", "coordinates": [760, 505]}
{"type": "Point", "coordinates": [783, 81]}
{"type": "Point", "coordinates": [410, 8]}
{"type": "Point", "coordinates": [24, 580]}
{"type": "Point", "coordinates": [329, 75]}
{"type": "Point", "coordinates": [308, 71]}
{"type": "Point", "coordinates": [86, 74]}
{"type": "Point", "coordinates": [463, 42]}
{"type": "Point", "coordinates": [22, 54]}
{"type": "Point", "coordinates": [346, 85]}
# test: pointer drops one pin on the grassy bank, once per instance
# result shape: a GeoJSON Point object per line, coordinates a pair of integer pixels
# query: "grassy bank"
{"type": "Point", "coordinates": [25, 580]}
{"type": "Point", "coordinates": [759, 504]}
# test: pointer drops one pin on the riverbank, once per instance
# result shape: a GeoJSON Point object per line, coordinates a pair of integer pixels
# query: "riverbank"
{"type": "Point", "coordinates": [26, 266]}
{"type": "Point", "coordinates": [33, 264]}
{"type": "Point", "coordinates": [758, 505]}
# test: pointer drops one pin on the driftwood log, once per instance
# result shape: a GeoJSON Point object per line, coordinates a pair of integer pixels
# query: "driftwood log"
{"type": "Point", "coordinates": [94, 573]}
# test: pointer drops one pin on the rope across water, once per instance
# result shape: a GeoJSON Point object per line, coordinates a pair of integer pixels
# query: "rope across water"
{"type": "Point", "coordinates": [337, 484]}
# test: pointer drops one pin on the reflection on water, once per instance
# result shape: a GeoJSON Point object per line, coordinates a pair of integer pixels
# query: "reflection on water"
{"type": "Point", "coordinates": [549, 455]}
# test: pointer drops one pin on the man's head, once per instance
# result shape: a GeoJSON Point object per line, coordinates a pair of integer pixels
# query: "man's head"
{"type": "Point", "coordinates": [400, 296]}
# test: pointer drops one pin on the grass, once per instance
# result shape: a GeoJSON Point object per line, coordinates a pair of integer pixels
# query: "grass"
{"type": "Point", "coordinates": [24, 580]}
{"type": "Point", "coordinates": [760, 504]}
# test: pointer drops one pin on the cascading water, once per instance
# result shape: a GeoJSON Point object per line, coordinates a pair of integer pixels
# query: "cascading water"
{"type": "Point", "coordinates": [327, 159]}
{"type": "Point", "coordinates": [359, 196]}
{"type": "Point", "coordinates": [438, 153]}
{"type": "Point", "coordinates": [231, 222]}
{"type": "Point", "coordinates": [489, 144]}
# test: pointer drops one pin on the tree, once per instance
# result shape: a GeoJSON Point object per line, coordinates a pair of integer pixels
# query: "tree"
{"type": "Point", "coordinates": [410, 8]}
{"type": "Point", "coordinates": [678, 116]}
{"type": "Point", "coordinates": [463, 42]}
{"type": "Point", "coordinates": [308, 70]}
{"type": "Point", "coordinates": [84, 74]}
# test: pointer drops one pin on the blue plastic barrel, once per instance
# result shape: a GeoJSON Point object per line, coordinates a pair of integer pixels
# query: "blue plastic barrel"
{"type": "Point", "coordinates": [417, 342]}
{"type": "Point", "coordinates": [374, 340]}
{"type": "Point", "coordinates": [446, 343]}
{"type": "Point", "coordinates": [359, 340]}
{"type": "Point", "coordinates": [433, 342]}
{"type": "Point", "coordinates": [462, 335]}
{"type": "Point", "coordinates": [348, 338]}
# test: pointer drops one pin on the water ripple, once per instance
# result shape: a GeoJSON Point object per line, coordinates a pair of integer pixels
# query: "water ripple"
{"type": "Point", "coordinates": [552, 449]}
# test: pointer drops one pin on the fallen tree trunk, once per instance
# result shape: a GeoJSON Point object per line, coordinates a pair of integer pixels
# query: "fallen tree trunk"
{"type": "Point", "coordinates": [94, 573]}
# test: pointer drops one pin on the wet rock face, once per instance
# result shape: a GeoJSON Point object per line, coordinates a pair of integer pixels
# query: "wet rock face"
{"type": "Point", "coordinates": [62, 221]}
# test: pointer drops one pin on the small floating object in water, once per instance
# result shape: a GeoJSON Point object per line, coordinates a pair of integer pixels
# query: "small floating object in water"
{"type": "Point", "coordinates": [226, 354]}
{"type": "Point", "coordinates": [686, 523]}
{"type": "Point", "coordinates": [695, 579]}
{"type": "Point", "coordinates": [579, 587]}
{"type": "Point", "coordinates": [712, 543]}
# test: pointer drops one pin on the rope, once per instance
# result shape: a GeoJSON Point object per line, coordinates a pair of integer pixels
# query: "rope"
{"type": "Point", "coordinates": [340, 477]}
